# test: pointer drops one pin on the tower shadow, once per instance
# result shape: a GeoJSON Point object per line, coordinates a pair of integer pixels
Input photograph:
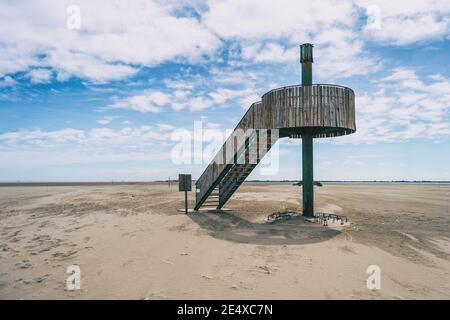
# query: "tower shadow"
{"type": "Point", "coordinates": [228, 226]}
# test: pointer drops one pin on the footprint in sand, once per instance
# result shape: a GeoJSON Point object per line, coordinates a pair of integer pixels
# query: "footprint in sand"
{"type": "Point", "coordinates": [41, 278]}
{"type": "Point", "coordinates": [64, 255]}
{"type": "Point", "coordinates": [25, 264]}
{"type": "Point", "coordinates": [241, 285]}
{"type": "Point", "coordinates": [14, 235]}
{"type": "Point", "coordinates": [264, 269]}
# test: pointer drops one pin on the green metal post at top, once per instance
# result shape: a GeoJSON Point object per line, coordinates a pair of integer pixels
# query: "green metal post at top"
{"type": "Point", "coordinates": [306, 59]}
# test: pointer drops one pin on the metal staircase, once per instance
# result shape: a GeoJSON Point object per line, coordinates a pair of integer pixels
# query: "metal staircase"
{"type": "Point", "coordinates": [219, 181]}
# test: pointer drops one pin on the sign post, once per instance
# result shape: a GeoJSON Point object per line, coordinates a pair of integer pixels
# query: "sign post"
{"type": "Point", "coordinates": [185, 184]}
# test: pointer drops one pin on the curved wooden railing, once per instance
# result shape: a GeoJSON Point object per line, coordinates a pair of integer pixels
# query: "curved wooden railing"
{"type": "Point", "coordinates": [328, 109]}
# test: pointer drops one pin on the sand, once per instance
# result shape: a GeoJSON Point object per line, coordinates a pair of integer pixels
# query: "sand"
{"type": "Point", "coordinates": [131, 242]}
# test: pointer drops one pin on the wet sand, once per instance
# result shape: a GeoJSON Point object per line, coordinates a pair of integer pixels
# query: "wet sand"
{"type": "Point", "coordinates": [131, 242]}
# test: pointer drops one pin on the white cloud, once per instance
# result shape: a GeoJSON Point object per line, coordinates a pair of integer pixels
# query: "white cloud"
{"type": "Point", "coordinates": [7, 81]}
{"type": "Point", "coordinates": [117, 39]}
{"type": "Point", "coordinates": [106, 120]}
{"type": "Point", "coordinates": [113, 39]}
{"type": "Point", "coordinates": [68, 157]}
{"type": "Point", "coordinates": [96, 138]}
{"type": "Point", "coordinates": [405, 30]}
{"type": "Point", "coordinates": [39, 76]}
{"type": "Point", "coordinates": [340, 53]}
{"type": "Point", "coordinates": [403, 24]}
{"type": "Point", "coordinates": [38, 136]}
{"type": "Point", "coordinates": [271, 52]}
{"type": "Point", "coordinates": [155, 101]}
{"type": "Point", "coordinates": [145, 102]}
{"type": "Point", "coordinates": [272, 31]}
{"type": "Point", "coordinates": [196, 104]}
{"type": "Point", "coordinates": [246, 101]}
{"type": "Point", "coordinates": [403, 108]}
{"type": "Point", "coordinates": [231, 76]}
{"type": "Point", "coordinates": [222, 95]}
{"type": "Point", "coordinates": [436, 77]}
{"type": "Point", "coordinates": [179, 84]}
{"type": "Point", "coordinates": [68, 64]}
{"type": "Point", "coordinates": [259, 19]}
{"type": "Point", "coordinates": [103, 121]}
{"type": "Point", "coordinates": [147, 143]}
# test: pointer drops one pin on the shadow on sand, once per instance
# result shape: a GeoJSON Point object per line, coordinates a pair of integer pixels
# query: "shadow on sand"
{"type": "Point", "coordinates": [226, 226]}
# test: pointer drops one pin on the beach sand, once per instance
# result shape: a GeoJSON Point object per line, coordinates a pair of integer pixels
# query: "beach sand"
{"type": "Point", "coordinates": [131, 242]}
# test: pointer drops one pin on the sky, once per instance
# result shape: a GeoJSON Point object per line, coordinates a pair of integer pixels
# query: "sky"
{"type": "Point", "coordinates": [106, 90]}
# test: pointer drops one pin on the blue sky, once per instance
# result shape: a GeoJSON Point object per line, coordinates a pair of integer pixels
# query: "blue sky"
{"type": "Point", "coordinates": [97, 91]}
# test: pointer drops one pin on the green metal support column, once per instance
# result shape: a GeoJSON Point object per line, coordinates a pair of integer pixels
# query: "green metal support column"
{"type": "Point", "coordinates": [308, 175]}
{"type": "Point", "coordinates": [306, 59]}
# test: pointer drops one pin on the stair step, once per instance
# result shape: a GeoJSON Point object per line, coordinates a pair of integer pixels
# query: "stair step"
{"type": "Point", "coordinates": [238, 174]}
{"type": "Point", "coordinates": [235, 177]}
{"type": "Point", "coordinates": [232, 189]}
{"type": "Point", "coordinates": [247, 157]}
{"type": "Point", "coordinates": [241, 169]}
{"type": "Point", "coordinates": [241, 173]}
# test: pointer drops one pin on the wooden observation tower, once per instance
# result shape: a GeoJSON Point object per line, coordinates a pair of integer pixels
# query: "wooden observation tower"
{"type": "Point", "coordinates": [305, 111]}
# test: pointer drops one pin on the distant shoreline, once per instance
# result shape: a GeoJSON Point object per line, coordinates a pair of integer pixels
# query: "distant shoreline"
{"type": "Point", "coordinates": [175, 182]}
